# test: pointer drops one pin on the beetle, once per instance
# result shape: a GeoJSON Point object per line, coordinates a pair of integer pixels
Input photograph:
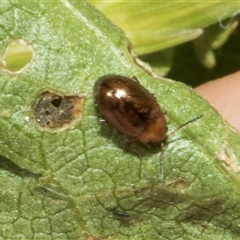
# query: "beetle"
{"type": "Point", "coordinates": [132, 110]}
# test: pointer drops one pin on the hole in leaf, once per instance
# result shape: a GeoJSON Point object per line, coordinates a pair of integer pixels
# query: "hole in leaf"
{"type": "Point", "coordinates": [17, 56]}
{"type": "Point", "coordinates": [57, 102]}
{"type": "Point", "coordinates": [47, 112]}
{"type": "Point", "coordinates": [55, 112]}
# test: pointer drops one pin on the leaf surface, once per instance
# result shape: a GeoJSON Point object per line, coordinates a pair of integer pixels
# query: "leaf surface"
{"type": "Point", "coordinates": [68, 178]}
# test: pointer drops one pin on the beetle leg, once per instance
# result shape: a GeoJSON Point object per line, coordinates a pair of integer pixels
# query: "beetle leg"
{"type": "Point", "coordinates": [134, 78]}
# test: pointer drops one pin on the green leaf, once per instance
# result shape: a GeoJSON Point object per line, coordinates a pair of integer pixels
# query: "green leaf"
{"type": "Point", "coordinates": [156, 25]}
{"type": "Point", "coordinates": [214, 37]}
{"type": "Point", "coordinates": [65, 176]}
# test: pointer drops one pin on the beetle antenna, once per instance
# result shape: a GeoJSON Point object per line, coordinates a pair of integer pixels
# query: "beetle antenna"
{"type": "Point", "coordinates": [186, 123]}
{"type": "Point", "coordinates": [161, 163]}
{"type": "Point", "coordinates": [161, 176]}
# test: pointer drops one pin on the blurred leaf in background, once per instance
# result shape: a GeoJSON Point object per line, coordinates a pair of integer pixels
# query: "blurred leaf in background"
{"type": "Point", "coordinates": [155, 28]}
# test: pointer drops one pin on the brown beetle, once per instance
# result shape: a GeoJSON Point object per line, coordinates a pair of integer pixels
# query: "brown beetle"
{"type": "Point", "coordinates": [132, 110]}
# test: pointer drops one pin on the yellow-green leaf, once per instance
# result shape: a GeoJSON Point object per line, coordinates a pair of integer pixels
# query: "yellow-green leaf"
{"type": "Point", "coordinates": [156, 25]}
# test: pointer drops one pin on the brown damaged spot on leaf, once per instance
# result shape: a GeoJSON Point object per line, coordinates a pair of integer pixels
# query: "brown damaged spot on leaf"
{"type": "Point", "coordinates": [55, 112]}
{"type": "Point", "coordinates": [229, 160]}
{"type": "Point", "coordinates": [179, 183]}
